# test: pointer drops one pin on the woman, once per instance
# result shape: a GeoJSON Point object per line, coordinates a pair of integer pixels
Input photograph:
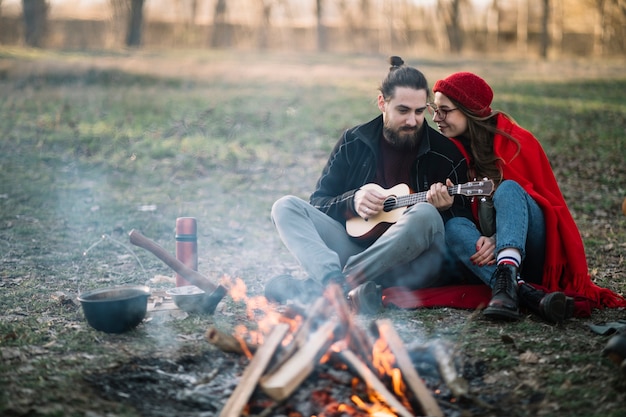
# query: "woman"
{"type": "Point", "coordinates": [532, 237]}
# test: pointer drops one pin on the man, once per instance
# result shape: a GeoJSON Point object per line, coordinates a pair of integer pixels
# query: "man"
{"type": "Point", "coordinates": [397, 147]}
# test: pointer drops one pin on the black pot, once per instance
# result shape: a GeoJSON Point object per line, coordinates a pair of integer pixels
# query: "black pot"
{"type": "Point", "coordinates": [117, 309]}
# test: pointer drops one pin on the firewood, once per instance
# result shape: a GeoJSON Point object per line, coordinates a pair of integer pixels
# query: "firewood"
{"type": "Point", "coordinates": [286, 379]}
{"type": "Point", "coordinates": [358, 341]}
{"type": "Point", "coordinates": [226, 342]}
{"type": "Point", "coordinates": [317, 312]}
{"type": "Point", "coordinates": [250, 378]}
{"type": "Point", "coordinates": [374, 383]}
{"type": "Point", "coordinates": [409, 373]}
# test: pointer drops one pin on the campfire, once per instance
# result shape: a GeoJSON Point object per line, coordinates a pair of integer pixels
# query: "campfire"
{"type": "Point", "coordinates": [288, 346]}
{"type": "Point", "coordinates": [291, 343]}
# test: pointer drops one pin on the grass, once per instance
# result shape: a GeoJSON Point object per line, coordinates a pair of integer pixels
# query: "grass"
{"type": "Point", "coordinates": [92, 146]}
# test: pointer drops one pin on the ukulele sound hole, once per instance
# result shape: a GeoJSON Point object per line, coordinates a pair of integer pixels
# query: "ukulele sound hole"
{"type": "Point", "coordinates": [390, 203]}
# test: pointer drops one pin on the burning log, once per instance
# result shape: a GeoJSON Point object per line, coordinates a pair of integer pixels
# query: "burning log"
{"type": "Point", "coordinates": [282, 383]}
{"type": "Point", "coordinates": [228, 343]}
{"type": "Point", "coordinates": [358, 341]}
{"type": "Point", "coordinates": [374, 383]}
{"type": "Point", "coordinates": [250, 378]}
{"type": "Point", "coordinates": [409, 373]}
{"type": "Point", "coordinates": [317, 313]}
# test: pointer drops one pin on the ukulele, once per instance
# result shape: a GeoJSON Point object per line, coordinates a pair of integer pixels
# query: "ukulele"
{"type": "Point", "coordinates": [400, 197]}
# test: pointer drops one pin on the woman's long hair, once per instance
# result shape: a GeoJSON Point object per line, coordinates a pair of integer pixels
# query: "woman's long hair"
{"type": "Point", "coordinates": [480, 133]}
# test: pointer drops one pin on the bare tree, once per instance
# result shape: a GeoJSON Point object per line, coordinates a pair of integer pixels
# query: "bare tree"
{"type": "Point", "coordinates": [322, 32]}
{"type": "Point", "coordinates": [135, 23]}
{"type": "Point", "coordinates": [610, 26]}
{"type": "Point", "coordinates": [522, 26]}
{"type": "Point", "coordinates": [194, 12]}
{"type": "Point", "coordinates": [618, 22]}
{"type": "Point", "coordinates": [265, 24]}
{"type": "Point", "coordinates": [35, 21]}
{"type": "Point", "coordinates": [493, 25]}
{"type": "Point", "coordinates": [557, 26]}
{"type": "Point", "coordinates": [356, 20]}
{"type": "Point", "coordinates": [545, 33]}
{"type": "Point", "coordinates": [220, 36]}
{"type": "Point", "coordinates": [452, 18]}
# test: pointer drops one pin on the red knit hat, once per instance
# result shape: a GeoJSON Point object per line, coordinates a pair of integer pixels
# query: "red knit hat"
{"type": "Point", "coordinates": [468, 89]}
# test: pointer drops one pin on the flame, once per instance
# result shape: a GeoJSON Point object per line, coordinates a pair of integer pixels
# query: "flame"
{"type": "Point", "coordinates": [384, 361]}
{"type": "Point", "coordinates": [259, 310]}
{"type": "Point", "coordinates": [376, 409]}
{"type": "Point", "coordinates": [382, 357]}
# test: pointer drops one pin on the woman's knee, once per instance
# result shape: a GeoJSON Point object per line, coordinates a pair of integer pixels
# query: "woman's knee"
{"type": "Point", "coordinates": [459, 231]}
{"type": "Point", "coordinates": [508, 189]}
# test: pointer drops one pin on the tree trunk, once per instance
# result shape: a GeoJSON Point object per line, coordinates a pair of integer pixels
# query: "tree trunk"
{"type": "Point", "coordinates": [598, 38]}
{"type": "Point", "coordinates": [35, 21]}
{"type": "Point", "coordinates": [493, 26]}
{"type": "Point", "coordinates": [265, 24]}
{"type": "Point", "coordinates": [557, 26]}
{"type": "Point", "coordinates": [220, 36]}
{"type": "Point", "coordinates": [135, 24]}
{"type": "Point", "coordinates": [322, 35]}
{"type": "Point", "coordinates": [522, 26]}
{"type": "Point", "coordinates": [545, 33]}
{"type": "Point", "coordinates": [453, 24]}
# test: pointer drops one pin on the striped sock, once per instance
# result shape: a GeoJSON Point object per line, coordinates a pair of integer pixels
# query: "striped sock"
{"type": "Point", "coordinates": [510, 256]}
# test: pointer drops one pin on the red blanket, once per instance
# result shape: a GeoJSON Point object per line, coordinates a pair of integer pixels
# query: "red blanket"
{"type": "Point", "coordinates": [565, 267]}
{"type": "Point", "coordinates": [462, 296]}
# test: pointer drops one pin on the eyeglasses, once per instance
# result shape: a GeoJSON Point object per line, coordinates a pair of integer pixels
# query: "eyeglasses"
{"type": "Point", "coordinates": [441, 113]}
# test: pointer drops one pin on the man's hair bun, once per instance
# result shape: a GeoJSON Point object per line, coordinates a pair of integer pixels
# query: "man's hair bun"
{"type": "Point", "coordinates": [396, 62]}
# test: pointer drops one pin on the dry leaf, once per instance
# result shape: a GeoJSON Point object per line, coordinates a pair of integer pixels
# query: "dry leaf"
{"type": "Point", "coordinates": [529, 357]}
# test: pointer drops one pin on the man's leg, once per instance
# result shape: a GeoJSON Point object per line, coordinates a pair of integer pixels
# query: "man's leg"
{"type": "Point", "coordinates": [319, 243]}
{"type": "Point", "coordinates": [419, 232]}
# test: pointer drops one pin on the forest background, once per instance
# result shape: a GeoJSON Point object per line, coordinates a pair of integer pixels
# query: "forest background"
{"type": "Point", "coordinates": [544, 28]}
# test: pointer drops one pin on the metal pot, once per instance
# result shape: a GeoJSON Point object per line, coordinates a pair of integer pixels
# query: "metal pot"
{"type": "Point", "coordinates": [115, 309]}
{"type": "Point", "coordinates": [192, 299]}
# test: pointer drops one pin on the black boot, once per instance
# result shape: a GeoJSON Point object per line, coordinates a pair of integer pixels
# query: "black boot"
{"type": "Point", "coordinates": [504, 303]}
{"type": "Point", "coordinates": [367, 298]}
{"type": "Point", "coordinates": [552, 307]}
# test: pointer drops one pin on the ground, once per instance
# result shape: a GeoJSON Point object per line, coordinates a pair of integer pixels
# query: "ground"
{"type": "Point", "coordinates": [94, 146]}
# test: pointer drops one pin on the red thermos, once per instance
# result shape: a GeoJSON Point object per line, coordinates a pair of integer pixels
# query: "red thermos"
{"type": "Point", "coordinates": [186, 246]}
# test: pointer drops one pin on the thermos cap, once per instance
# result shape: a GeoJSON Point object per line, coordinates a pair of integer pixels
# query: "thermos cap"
{"type": "Point", "coordinates": [186, 226]}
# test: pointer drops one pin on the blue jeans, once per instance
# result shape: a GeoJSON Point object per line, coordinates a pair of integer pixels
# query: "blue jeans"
{"type": "Point", "coordinates": [519, 224]}
{"type": "Point", "coordinates": [410, 253]}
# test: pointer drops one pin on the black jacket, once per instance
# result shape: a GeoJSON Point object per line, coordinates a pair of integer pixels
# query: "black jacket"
{"type": "Point", "coordinates": [353, 162]}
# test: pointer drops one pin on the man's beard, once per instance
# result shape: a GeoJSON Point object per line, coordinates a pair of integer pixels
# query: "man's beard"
{"type": "Point", "coordinates": [402, 138]}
